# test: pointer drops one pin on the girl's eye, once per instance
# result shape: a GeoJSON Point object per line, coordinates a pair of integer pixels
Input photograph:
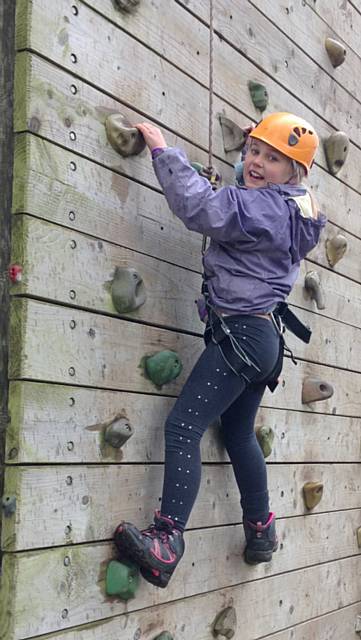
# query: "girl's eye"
{"type": "Point", "coordinates": [273, 158]}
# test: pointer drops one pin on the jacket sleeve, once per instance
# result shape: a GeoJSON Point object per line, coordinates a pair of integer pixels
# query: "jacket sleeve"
{"type": "Point", "coordinates": [217, 214]}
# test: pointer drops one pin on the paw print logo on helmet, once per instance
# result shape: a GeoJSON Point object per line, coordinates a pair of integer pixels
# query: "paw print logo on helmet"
{"type": "Point", "coordinates": [295, 135]}
{"type": "Point", "coordinates": [291, 135]}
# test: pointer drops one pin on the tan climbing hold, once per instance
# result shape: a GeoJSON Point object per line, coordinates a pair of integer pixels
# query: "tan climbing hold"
{"type": "Point", "coordinates": [314, 288]}
{"type": "Point", "coordinates": [314, 389]}
{"type": "Point", "coordinates": [265, 437]}
{"type": "Point", "coordinates": [335, 249]}
{"type": "Point", "coordinates": [358, 535]}
{"type": "Point", "coordinates": [127, 289]}
{"type": "Point", "coordinates": [234, 138]}
{"type": "Point", "coordinates": [127, 5]}
{"type": "Point", "coordinates": [225, 623]}
{"type": "Point", "coordinates": [312, 494]}
{"type": "Point", "coordinates": [124, 138]}
{"type": "Point", "coordinates": [336, 51]}
{"type": "Point", "coordinates": [336, 149]}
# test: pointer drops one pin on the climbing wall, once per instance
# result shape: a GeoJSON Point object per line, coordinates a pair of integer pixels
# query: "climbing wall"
{"type": "Point", "coordinates": [79, 211]}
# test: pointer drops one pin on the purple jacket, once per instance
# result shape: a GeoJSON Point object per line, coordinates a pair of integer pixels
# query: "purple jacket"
{"type": "Point", "coordinates": [257, 236]}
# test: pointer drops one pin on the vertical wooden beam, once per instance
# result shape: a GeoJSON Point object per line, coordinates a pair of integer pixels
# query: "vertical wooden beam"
{"type": "Point", "coordinates": [7, 57]}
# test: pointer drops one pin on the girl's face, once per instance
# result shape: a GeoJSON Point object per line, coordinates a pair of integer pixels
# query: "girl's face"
{"type": "Point", "coordinates": [264, 164]}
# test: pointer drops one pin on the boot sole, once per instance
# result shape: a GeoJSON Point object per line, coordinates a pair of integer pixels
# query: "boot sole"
{"type": "Point", "coordinates": [257, 557]}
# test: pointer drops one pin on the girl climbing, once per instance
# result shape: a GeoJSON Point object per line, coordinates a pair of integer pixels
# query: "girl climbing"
{"type": "Point", "coordinates": [258, 234]}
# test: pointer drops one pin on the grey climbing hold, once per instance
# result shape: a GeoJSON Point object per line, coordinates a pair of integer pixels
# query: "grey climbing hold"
{"type": "Point", "coordinates": [335, 249]}
{"type": "Point", "coordinates": [234, 138]}
{"type": "Point", "coordinates": [312, 494]}
{"type": "Point", "coordinates": [225, 623]}
{"type": "Point", "coordinates": [314, 288]}
{"type": "Point", "coordinates": [127, 290]}
{"type": "Point", "coordinates": [336, 51]}
{"type": "Point", "coordinates": [265, 437]}
{"type": "Point", "coordinates": [358, 536]}
{"type": "Point", "coordinates": [118, 431]}
{"type": "Point", "coordinates": [358, 625]}
{"type": "Point", "coordinates": [259, 94]}
{"type": "Point", "coordinates": [8, 504]}
{"type": "Point", "coordinates": [162, 367]}
{"type": "Point", "coordinates": [336, 148]}
{"type": "Point", "coordinates": [165, 635]}
{"type": "Point", "coordinates": [124, 138]}
{"type": "Point", "coordinates": [315, 389]}
{"type": "Point", "coordinates": [127, 5]}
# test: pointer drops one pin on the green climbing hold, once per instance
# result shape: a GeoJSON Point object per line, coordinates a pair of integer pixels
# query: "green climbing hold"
{"type": "Point", "coordinates": [165, 635]}
{"type": "Point", "coordinates": [118, 431]}
{"type": "Point", "coordinates": [259, 95]}
{"type": "Point", "coordinates": [210, 173]}
{"type": "Point", "coordinates": [124, 138]}
{"type": "Point", "coordinates": [225, 623]}
{"type": "Point", "coordinates": [122, 579]}
{"type": "Point", "coordinates": [336, 149]}
{"type": "Point", "coordinates": [265, 437]}
{"type": "Point", "coordinates": [162, 367]}
{"type": "Point", "coordinates": [127, 290]}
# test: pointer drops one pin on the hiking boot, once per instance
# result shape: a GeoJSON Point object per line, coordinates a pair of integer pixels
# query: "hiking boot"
{"type": "Point", "coordinates": [156, 550]}
{"type": "Point", "coordinates": [261, 540]}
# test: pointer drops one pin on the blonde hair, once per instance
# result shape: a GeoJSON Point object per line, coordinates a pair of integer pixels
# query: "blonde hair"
{"type": "Point", "coordinates": [299, 174]}
{"type": "Point", "coordinates": [299, 171]}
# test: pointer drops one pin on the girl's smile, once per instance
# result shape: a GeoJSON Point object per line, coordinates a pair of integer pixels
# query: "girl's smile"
{"type": "Point", "coordinates": [263, 165]}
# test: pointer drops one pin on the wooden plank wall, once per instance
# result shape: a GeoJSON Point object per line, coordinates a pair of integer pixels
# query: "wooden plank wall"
{"type": "Point", "coordinates": [78, 211]}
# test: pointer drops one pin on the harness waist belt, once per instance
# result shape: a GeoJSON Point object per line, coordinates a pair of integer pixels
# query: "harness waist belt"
{"type": "Point", "coordinates": [292, 323]}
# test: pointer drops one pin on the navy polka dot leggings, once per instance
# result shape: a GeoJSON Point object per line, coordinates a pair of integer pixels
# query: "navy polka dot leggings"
{"type": "Point", "coordinates": [214, 390]}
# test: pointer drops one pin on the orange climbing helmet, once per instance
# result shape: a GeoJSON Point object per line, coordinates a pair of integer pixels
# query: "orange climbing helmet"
{"type": "Point", "coordinates": [291, 135]}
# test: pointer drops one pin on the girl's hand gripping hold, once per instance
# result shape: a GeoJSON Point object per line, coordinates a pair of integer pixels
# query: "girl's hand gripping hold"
{"type": "Point", "coordinates": [152, 135]}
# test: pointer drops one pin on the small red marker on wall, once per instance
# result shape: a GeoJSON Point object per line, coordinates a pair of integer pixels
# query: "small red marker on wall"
{"type": "Point", "coordinates": [15, 273]}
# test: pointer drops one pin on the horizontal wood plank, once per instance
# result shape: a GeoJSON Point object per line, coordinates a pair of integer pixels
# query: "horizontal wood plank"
{"type": "Point", "coordinates": [45, 346]}
{"type": "Point", "coordinates": [111, 207]}
{"type": "Point", "coordinates": [62, 597]}
{"type": "Point", "coordinates": [55, 260]}
{"type": "Point", "coordinates": [340, 623]}
{"type": "Point", "coordinates": [66, 425]}
{"type": "Point", "coordinates": [79, 347]}
{"type": "Point", "coordinates": [68, 504]}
